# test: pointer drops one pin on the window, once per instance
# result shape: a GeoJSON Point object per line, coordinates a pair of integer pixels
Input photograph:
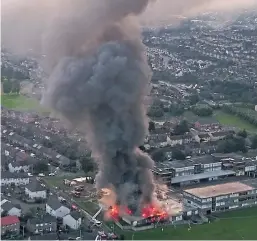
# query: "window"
{"type": "Point", "coordinates": [41, 224]}
{"type": "Point", "coordinates": [36, 225]}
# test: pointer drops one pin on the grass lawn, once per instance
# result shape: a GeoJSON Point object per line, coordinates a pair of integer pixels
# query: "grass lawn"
{"type": "Point", "coordinates": [232, 120]}
{"type": "Point", "coordinates": [90, 207]}
{"type": "Point", "coordinates": [231, 226]}
{"type": "Point", "coordinates": [21, 102]}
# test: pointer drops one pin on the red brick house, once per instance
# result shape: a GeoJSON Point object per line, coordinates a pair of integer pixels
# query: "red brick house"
{"type": "Point", "coordinates": [11, 224]}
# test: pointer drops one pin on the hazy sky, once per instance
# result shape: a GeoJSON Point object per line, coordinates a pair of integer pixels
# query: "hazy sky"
{"type": "Point", "coordinates": [24, 21]}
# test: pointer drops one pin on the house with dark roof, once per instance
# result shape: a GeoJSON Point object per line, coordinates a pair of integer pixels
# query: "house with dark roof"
{"type": "Point", "coordinates": [10, 224]}
{"type": "Point", "coordinates": [73, 220]}
{"type": "Point", "coordinates": [7, 178]}
{"type": "Point", "coordinates": [11, 209]}
{"type": "Point", "coordinates": [42, 224]}
{"type": "Point", "coordinates": [204, 137]}
{"type": "Point", "coordinates": [35, 190]}
{"type": "Point", "coordinates": [220, 135]}
{"type": "Point", "coordinates": [23, 162]}
{"type": "Point", "coordinates": [55, 208]}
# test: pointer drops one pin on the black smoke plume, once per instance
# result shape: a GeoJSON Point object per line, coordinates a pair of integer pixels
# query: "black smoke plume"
{"type": "Point", "coordinates": [99, 78]}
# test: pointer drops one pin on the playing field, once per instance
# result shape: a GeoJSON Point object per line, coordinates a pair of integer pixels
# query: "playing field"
{"type": "Point", "coordinates": [21, 102]}
{"type": "Point", "coordinates": [241, 224]}
{"type": "Point", "coordinates": [232, 120]}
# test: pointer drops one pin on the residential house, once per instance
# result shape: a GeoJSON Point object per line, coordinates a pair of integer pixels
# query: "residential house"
{"type": "Point", "coordinates": [220, 135]}
{"type": "Point", "coordinates": [63, 161]}
{"type": "Point", "coordinates": [11, 209]}
{"type": "Point", "coordinates": [55, 208]}
{"type": "Point", "coordinates": [211, 126]}
{"type": "Point", "coordinates": [204, 137]}
{"type": "Point", "coordinates": [176, 140]}
{"type": "Point", "coordinates": [10, 224]}
{"type": "Point", "coordinates": [8, 150]}
{"type": "Point", "coordinates": [73, 220]}
{"type": "Point", "coordinates": [7, 178]}
{"type": "Point", "coordinates": [42, 224]}
{"type": "Point", "coordinates": [158, 140]}
{"type": "Point", "coordinates": [35, 190]}
{"type": "Point", "coordinates": [18, 166]}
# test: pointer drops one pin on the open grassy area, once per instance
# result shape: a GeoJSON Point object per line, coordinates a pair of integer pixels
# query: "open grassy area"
{"type": "Point", "coordinates": [232, 120]}
{"type": "Point", "coordinates": [239, 224]}
{"type": "Point", "coordinates": [21, 102]}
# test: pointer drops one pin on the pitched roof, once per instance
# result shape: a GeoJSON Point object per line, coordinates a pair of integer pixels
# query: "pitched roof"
{"type": "Point", "coordinates": [47, 218]}
{"type": "Point", "coordinates": [9, 220]}
{"type": "Point", "coordinates": [13, 175]}
{"type": "Point", "coordinates": [54, 203]}
{"type": "Point", "coordinates": [35, 187]}
{"type": "Point", "coordinates": [75, 215]}
{"type": "Point", "coordinates": [7, 206]}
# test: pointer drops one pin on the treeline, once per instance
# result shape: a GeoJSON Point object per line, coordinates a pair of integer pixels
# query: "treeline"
{"type": "Point", "coordinates": [249, 116]}
{"type": "Point", "coordinates": [234, 91]}
{"type": "Point", "coordinates": [10, 86]}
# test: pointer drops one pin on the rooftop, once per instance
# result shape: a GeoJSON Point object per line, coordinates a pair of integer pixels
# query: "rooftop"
{"type": "Point", "coordinates": [8, 220]}
{"type": "Point", "coordinates": [204, 175]}
{"type": "Point", "coordinates": [220, 189]}
{"type": "Point", "coordinates": [35, 187]}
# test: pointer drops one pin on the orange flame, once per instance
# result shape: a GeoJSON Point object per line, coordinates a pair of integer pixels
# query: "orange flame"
{"type": "Point", "coordinates": [154, 211]}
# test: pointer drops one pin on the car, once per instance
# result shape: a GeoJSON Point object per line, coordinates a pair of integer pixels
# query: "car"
{"type": "Point", "coordinates": [51, 174]}
{"type": "Point", "coordinates": [30, 175]}
{"type": "Point", "coordinates": [41, 174]}
{"type": "Point", "coordinates": [70, 238]}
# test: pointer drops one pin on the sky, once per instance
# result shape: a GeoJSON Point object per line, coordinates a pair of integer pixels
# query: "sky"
{"type": "Point", "coordinates": [24, 21]}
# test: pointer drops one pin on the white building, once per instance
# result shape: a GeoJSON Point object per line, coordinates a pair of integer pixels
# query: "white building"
{"type": "Point", "coordinates": [7, 178]}
{"type": "Point", "coordinates": [55, 208]}
{"type": "Point", "coordinates": [73, 220]}
{"type": "Point", "coordinates": [35, 190]}
{"type": "Point", "coordinates": [18, 166]}
{"type": "Point", "coordinates": [10, 209]}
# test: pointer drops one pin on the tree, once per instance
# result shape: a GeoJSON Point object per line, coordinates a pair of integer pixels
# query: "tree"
{"type": "Point", "coordinates": [178, 154]}
{"type": "Point", "coordinates": [151, 126]}
{"type": "Point", "coordinates": [181, 128]}
{"type": "Point", "coordinates": [254, 142]}
{"type": "Point", "coordinates": [193, 99]}
{"type": "Point", "coordinates": [242, 133]}
{"type": "Point", "coordinates": [40, 167]}
{"type": "Point", "coordinates": [87, 164]}
{"type": "Point", "coordinates": [158, 155]}
{"type": "Point", "coordinates": [232, 144]}
{"type": "Point", "coordinates": [7, 86]}
{"type": "Point", "coordinates": [16, 86]}
{"type": "Point", "coordinates": [203, 111]}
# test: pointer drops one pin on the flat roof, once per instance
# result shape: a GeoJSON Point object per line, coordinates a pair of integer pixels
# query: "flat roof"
{"type": "Point", "coordinates": [217, 173]}
{"type": "Point", "coordinates": [220, 189]}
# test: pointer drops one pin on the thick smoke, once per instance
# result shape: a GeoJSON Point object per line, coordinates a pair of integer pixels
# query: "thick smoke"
{"type": "Point", "coordinates": [98, 75]}
{"type": "Point", "coordinates": [98, 80]}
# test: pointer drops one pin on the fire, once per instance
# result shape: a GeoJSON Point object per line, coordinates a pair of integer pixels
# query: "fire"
{"type": "Point", "coordinates": [154, 212]}
{"type": "Point", "coordinates": [116, 211]}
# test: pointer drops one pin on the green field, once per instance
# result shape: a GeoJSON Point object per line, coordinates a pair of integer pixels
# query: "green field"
{"type": "Point", "coordinates": [21, 102]}
{"type": "Point", "coordinates": [235, 121]}
{"type": "Point", "coordinates": [241, 224]}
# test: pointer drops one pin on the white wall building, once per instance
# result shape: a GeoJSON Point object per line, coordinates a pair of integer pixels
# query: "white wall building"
{"type": "Point", "coordinates": [11, 209]}
{"type": "Point", "coordinates": [35, 190]}
{"type": "Point", "coordinates": [73, 220]}
{"type": "Point", "coordinates": [8, 178]}
{"type": "Point", "coordinates": [56, 209]}
{"type": "Point", "coordinates": [18, 166]}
